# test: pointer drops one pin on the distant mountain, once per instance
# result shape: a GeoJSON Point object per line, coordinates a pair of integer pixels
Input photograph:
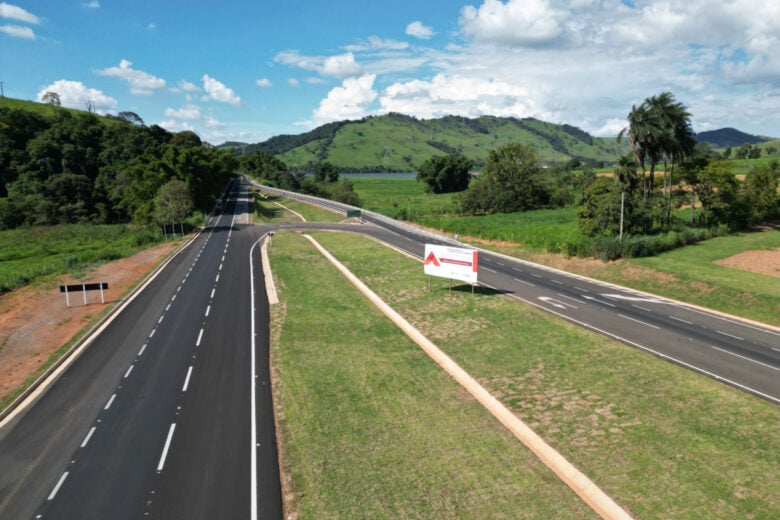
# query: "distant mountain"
{"type": "Point", "coordinates": [726, 137]}
{"type": "Point", "coordinates": [396, 142]}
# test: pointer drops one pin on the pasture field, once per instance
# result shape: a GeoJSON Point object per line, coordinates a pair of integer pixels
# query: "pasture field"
{"type": "Point", "coordinates": [371, 427]}
{"type": "Point", "coordinates": [400, 198]}
{"type": "Point", "coordinates": [29, 254]}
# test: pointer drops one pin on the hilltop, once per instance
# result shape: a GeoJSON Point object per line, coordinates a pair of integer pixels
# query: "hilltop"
{"type": "Point", "coordinates": [396, 142]}
{"type": "Point", "coordinates": [725, 137]}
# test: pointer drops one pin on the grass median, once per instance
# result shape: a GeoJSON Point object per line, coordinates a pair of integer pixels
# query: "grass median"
{"type": "Point", "coordinates": [663, 441]}
{"type": "Point", "coordinates": [372, 428]}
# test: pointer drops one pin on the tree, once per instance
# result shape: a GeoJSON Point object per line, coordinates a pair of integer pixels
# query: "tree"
{"type": "Point", "coordinates": [445, 174]}
{"type": "Point", "coordinates": [659, 130]}
{"type": "Point", "coordinates": [173, 203]}
{"type": "Point", "coordinates": [600, 210]}
{"type": "Point", "coordinates": [131, 117]}
{"type": "Point", "coordinates": [51, 98]}
{"type": "Point", "coordinates": [509, 182]}
{"type": "Point", "coordinates": [326, 172]}
{"type": "Point", "coordinates": [760, 196]}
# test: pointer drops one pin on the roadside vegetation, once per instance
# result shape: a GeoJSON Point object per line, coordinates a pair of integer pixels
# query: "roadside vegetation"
{"type": "Point", "coordinates": [363, 410]}
{"type": "Point", "coordinates": [28, 255]}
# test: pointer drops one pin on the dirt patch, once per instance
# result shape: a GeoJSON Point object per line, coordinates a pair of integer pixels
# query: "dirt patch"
{"type": "Point", "coordinates": [761, 262]}
{"type": "Point", "coordinates": [35, 321]}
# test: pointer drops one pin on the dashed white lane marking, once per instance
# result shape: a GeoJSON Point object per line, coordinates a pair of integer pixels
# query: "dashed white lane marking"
{"type": "Point", "coordinates": [212, 293]}
{"type": "Point", "coordinates": [556, 281]}
{"type": "Point", "coordinates": [165, 449]}
{"type": "Point", "coordinates": [681, 320]}
{"type": "Point", "coordinates": [488, 269]}
{"type": "Point", "coordinates": [200, 336]}
{"type": "Point", "coordinates": [216, 279]}
{"type": "Point", "coordinates": [110, 402]}
{"type": "Point", "coordinates": [89, 436]}
{"type": "Point", "coordinates": [152, 333]}
{"type": "Point", "coordinates": [141, 352]}
{"type": "Point", "coordinates": [523, 281]}
{"type": "Point", "coordinates": [639, 321]}
{"type": "Point", "coordinates": [161, 318]}
{"type": "Point", "coordinates": [58, 486]}
{"type": "Point", "coordinates": [127, 374]}
{"type": "Point", "coordinates": [208, 309]}
{"type": "Point", "coordinates": [729, 335]}
{"type": "Point", "coordinates": [187, 380]}
{"type": "Point", "coordinates": [642, 308]}
{"type": "Point", "coordinates": [167, 307]}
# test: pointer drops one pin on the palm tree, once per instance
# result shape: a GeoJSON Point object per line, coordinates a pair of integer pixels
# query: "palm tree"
{"type": "Point", "coordinates": [659, 130]}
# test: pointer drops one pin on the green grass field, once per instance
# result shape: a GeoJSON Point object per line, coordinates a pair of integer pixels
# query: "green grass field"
{"type": "Point", "coordinates": [402, 198]}
{"type": "Point", "coordinates": [370, 428]}
{"type": "Point", "coordinates": [30, 254]}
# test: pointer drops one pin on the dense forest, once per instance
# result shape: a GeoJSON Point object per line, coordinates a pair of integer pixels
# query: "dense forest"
{"type": "Point", "coordinates": [62, 166]}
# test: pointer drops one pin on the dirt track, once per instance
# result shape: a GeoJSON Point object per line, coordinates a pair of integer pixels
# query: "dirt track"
{"type": "Point", "coordinates": [35, 321]}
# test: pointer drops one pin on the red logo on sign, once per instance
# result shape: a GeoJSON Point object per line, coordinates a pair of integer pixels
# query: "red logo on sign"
{"type": "Point", "coordinates": [432, 260]}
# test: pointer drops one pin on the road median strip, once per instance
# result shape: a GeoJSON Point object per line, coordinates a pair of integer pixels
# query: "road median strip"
{"type": "Point", "coordinates": [586, 489]}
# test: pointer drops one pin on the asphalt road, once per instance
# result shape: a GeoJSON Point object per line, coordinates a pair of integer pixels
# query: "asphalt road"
{"type": "Point", "coordinates": [743, 354]}
{"type": "Point", "coordinates": [168, 414]}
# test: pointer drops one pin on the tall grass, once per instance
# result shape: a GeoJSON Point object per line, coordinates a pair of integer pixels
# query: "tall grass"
{"type": "Point", "coordinates": [29, 254]}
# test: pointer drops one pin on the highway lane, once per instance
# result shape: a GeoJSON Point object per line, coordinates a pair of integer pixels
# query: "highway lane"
{"type": "Point", "coordinates": [738, 352]}
{"type": "Point", "coordinates": [154, 419]}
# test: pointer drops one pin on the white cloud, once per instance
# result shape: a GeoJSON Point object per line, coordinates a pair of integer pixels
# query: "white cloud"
{"type": "Point", "coordinates": [293, 82]}
{"type": "Point", "coordinates": [187, 112]}
{"type": "Point", "coordinates": [339, 66]}
{"type": "Point", "coordinates": [217, 91]}
{"type": "Point", "coordinates": [374, 43]}
{"type": "Point", "coordinates": [18, 31]}
{"type": "Point", "coordinates": [140, 82]}
{"type": "Point", "coordinates": [74, 94]}
{"type": "Point", "coordinates": [264, 82]}
{"type": "Point", "coordinates": [419, 30]}
{"type": "Point", "coordinates": [186, 86]}
{"type": "Point", "coordinates": [349, 101]}
{"type": "Point", "coordinates": [14, 12]}
{"type": "Point", "coordinates": [457, 95]}
{"type": "Point", "coordinates": [94, 4]}
{"type": "Point", "coordinates": [518, 22]}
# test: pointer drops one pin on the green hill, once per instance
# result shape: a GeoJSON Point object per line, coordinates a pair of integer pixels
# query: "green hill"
{"type": "Point", "coordinates": [396, 142]}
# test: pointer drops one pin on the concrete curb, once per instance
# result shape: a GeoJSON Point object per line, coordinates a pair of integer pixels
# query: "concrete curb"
{"type": "Point", "coordinates": [590, 493]}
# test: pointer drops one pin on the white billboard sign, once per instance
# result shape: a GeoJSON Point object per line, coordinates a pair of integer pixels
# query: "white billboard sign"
{"type": "Point", "coordinates": [451, 262]}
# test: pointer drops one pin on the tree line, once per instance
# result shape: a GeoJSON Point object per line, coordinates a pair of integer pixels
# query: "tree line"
{"type": "Point", "coordinates": [66, 167]}
{"type": "Point", "coordinates": [664, 172]}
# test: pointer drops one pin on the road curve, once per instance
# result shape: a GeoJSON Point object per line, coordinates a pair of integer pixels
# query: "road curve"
{"type": "Point", "coordinates": [738, 352]}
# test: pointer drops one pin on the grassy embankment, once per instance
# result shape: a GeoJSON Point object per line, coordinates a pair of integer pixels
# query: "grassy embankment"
{"type": "Point", "coordinates": [372, 428]}
{"type": "Point", "coordinates": [687, 274]}
{"type": "Point", "coordinates": [266, 209]}
{"type": "Point", "coordinates": [28, 255]}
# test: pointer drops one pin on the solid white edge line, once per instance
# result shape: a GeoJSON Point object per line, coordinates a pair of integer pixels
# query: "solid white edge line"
{"type": "Point", "coordinates": [166, 447]}
{"type": "Point", "coordinates": [89, 436]}
{"type": "Point", "coordinates": [58, 486]}
{"type": "Point", "coordinates": [187, 380]}
{"type": "Point", "coordinates": [647, 349]}
{"type": "Point", "coordinates": [253, 383]}
{"type": "Point", "coordinates": [744, 357]}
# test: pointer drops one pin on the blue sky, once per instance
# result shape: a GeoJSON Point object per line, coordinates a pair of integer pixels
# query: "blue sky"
{"type": "Point", "coordinates": [241, 70]}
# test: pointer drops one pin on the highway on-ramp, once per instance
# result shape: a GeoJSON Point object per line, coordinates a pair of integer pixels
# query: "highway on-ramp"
{"type": "Point", "coordinates": [168, 413]}
{"type": "Point", "coordinates": [737, 352]}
